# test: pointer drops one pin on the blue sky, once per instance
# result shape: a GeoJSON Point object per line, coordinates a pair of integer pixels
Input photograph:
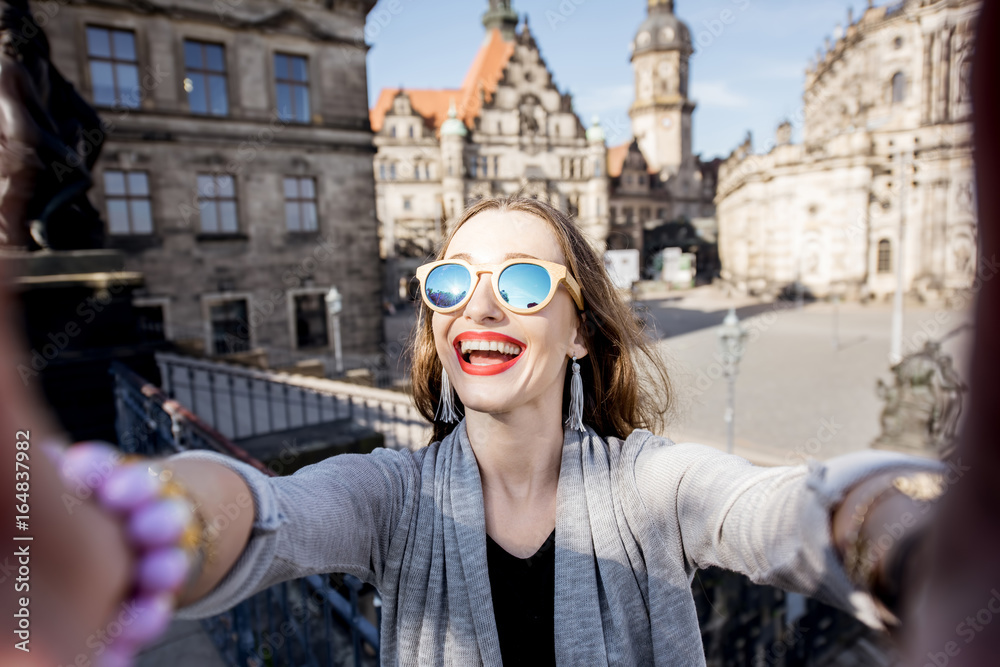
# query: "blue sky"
{"type": "Point", "coordinates": [746, 73]}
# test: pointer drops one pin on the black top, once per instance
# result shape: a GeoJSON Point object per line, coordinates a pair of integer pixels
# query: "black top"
{"type": "Point", "coordinates": [524, 593]}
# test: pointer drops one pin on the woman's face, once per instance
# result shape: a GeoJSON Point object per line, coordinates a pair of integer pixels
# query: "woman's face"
{"type": "Point", "coordinates": [543, 342]}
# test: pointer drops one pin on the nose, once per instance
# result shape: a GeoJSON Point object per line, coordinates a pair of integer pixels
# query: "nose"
{"type": "Point", "coordinates": [483, 306]}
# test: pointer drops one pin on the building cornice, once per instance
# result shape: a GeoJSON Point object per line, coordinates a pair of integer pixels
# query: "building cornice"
{"type": "Point", "coordinates": [267, 22]}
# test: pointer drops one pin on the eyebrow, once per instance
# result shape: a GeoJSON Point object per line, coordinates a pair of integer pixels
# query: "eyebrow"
{"type": "Point", "coordinates": [511, 255]}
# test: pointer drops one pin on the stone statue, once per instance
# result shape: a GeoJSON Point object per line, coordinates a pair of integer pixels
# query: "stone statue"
{"type": "Point", "coordinates": [923, 405]}
{"type": "Point", "coordinates": [50, 139]}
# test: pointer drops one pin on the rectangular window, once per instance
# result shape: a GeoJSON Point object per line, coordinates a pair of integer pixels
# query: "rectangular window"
{"type": "Point", "coordinates": [496, 166]}
{"type": "Point", "coordinates": [291, 75]}
{"type": "Point", "coordinates": [416, 171]}
{"type": "Point", "coordinates": [127, 196]}
{"type": "Point", "coordinates": [381, 172]}
{"type": "Point", "coordinates": [392, 171]}
{"type": "Point", "coordinates": [114, 68]}
{"type": "Point", "coordinates": [205, 78]}
{"type": "Point", "coordinates": [310, 321]}
{"type": "Point", "coordinates": [230, 327]}
{"type": "Point", "coordinates": [407, 203]}
{"type": "Point", "coordinates": [217, 203]}
{"type": "Point", "coordinates": [300, 204]}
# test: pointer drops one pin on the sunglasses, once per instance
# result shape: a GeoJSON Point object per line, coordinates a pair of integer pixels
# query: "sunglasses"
{"type": "Point", "coordinates": [522, 286]}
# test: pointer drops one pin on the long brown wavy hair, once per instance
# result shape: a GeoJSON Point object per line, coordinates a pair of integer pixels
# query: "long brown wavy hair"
{"type": "Point", "coordinates": [625, 383]}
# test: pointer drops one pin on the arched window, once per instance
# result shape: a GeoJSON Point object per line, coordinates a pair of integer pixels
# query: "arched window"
{"type": "Point", "coordinates": [885, 256]}
{"type": "Point", "coordinates": [898, 87]}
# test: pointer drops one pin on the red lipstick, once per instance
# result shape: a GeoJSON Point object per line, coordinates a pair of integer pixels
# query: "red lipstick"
{"type": "Point", "coordinates": [494, 369]}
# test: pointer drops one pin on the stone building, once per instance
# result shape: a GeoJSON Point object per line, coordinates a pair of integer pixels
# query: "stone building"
{"type": "Point", "coordinates": [236, 171]}
{"type": "Point", "coordinates": [883, 172]}
{"type": "Point", "coordinates": [655, 178]}
{"type": "Point", "coordinates": [507, 128]}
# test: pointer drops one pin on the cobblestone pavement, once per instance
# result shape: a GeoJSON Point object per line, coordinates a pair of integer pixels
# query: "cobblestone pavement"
{"type": "Point", "coordinates": [799, 383]}
{"type": "Point", "coordinates": [802, 390]}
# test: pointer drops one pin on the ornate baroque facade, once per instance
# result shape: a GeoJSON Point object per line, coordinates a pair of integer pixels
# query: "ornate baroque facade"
{"type": "Point", "coordinates": [656, 178]}
{"type": "Point", "coordinates": [507, 128]}
{"type": "Point", "coordinates": [236, 172]}
{"type": "Point", "coordinates": [886, 148]}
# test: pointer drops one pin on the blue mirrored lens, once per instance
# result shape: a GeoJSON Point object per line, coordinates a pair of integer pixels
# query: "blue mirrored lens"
{"type": "Point", "coordinates": [447, 285]}
{"type": "Point", "coordinates": [524, 285]}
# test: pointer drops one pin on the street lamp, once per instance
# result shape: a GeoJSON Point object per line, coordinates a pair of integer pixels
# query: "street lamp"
{"type": "Point", "coordinates": [732, 342]}
{"type": "Point", "coordinates": [335, 304]}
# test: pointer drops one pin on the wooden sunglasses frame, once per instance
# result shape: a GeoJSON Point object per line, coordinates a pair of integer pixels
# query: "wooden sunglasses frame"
{"type": "Point", "coordinates": [557, 274]}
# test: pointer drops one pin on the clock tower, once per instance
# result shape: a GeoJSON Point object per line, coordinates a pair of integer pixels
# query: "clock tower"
{"type": "Point", "coordinates": [661, 111]}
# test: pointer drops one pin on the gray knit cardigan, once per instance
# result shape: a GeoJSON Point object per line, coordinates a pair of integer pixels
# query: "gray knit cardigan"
{"type": "Point", "coordinates": [634, 520]}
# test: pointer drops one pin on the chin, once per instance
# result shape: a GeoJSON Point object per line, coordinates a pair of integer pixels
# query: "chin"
{"type": "Point", "coordinates": [484, 399]}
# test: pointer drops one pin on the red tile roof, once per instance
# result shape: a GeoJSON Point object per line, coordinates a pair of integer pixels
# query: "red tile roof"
{"type": "Point", "coordinates": [616, 159]}
{"type": "Point", "coordinates": [484, 74]}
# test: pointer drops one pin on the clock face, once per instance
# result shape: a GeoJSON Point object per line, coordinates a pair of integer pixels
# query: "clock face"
{"type": "Point", "coordinates": [642, 39]}
{"type": "Point", "coordinates": [667, 34]}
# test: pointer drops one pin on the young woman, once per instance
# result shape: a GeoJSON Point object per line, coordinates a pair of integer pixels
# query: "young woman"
{"type": "Point", "coordinates": [543, 524]}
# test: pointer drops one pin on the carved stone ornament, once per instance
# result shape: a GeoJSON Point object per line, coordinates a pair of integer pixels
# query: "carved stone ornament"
{"type": "Point", "coordinates": [923, 404]}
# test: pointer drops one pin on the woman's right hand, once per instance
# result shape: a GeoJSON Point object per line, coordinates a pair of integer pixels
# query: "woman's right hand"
{"type": "Point", "coordinates": [78, 565]}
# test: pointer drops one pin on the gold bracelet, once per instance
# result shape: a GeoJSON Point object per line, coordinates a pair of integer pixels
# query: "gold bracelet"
{"type": "Point", "coordinates": [196, 538]}
{"type": "Point", "coordinates": [858, 562]}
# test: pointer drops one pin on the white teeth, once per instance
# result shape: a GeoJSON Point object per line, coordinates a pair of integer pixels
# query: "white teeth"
{"type": "Point", "coordinates": [493, 345]}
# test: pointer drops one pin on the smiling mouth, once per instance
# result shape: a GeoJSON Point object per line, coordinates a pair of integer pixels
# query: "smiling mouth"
{"type": "Point", "coordinates": [487, 357]}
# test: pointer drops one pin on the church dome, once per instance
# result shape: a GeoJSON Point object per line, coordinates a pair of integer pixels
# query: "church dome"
{"type": "Point", "coordinates": [453, 127]}
{"type": "Point", "coordinates": [661, 31]}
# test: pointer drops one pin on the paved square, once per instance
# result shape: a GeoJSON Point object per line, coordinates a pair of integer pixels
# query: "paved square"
{"type": "Point", "coordinates": [801, 390]}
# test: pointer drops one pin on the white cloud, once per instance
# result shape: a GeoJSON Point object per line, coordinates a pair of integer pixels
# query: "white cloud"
{"type": "Point", "coordinates": [718, 95]}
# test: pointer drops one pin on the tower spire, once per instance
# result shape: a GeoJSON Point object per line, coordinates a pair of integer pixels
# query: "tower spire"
{"type": "Point", "coordinates": [501, 16]}
{"type": "Point", "coordinates": [665, 6]}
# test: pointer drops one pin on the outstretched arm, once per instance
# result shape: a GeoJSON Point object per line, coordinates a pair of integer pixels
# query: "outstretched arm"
{"type": "Point", "coordinates": [783, 526]}
{"type": "Point", "coordinates": [334, 516]}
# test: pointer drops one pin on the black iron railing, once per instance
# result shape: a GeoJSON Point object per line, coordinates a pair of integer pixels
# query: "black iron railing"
{"type": "Point", "coordinates": [310, 622]}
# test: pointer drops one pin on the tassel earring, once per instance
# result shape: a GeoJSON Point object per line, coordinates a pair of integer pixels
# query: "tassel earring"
{"type": "Point", "coordinates": [446, 405]}
{"type": "Point", "coordinates": [575, 419]}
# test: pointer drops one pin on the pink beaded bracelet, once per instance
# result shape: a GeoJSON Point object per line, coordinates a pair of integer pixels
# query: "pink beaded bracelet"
{"type": "Point", "coordinates": [163, 526]}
